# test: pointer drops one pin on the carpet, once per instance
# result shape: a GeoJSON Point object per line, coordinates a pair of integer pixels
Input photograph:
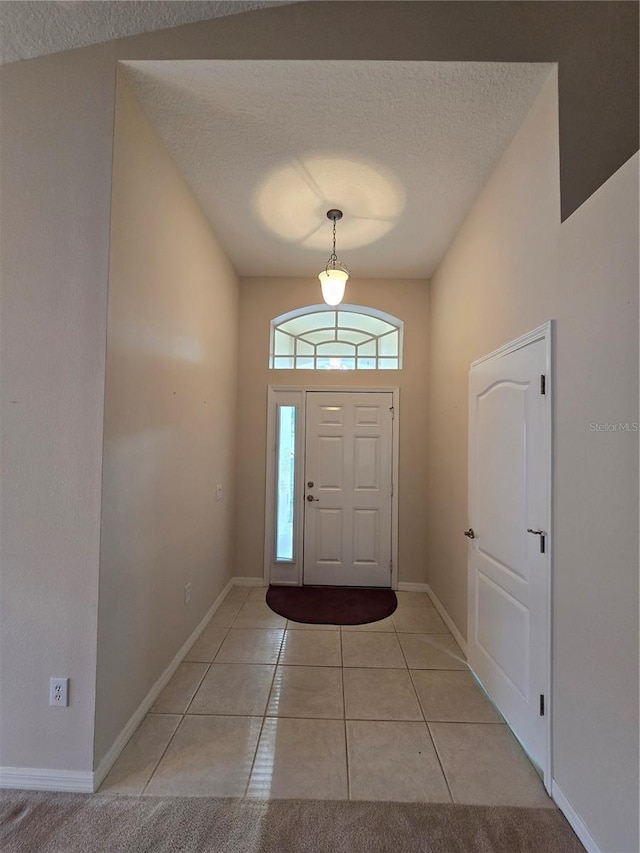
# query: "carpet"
{"type": "Point", "coordinates": [33, 822]}
{"type": "Point", "coordinates": [331, 605]}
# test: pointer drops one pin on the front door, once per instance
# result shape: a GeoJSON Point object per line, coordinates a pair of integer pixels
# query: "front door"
{"type": "Point", "coordinates": [509, 568]}
{"type": "Point", "coordinates": [348, 488]}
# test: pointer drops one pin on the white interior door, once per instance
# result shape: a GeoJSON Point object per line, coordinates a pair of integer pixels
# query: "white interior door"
{"type": "Point", "coordinates": [348, 488]}
{"type": "Point", "coordinates": [509, 512]}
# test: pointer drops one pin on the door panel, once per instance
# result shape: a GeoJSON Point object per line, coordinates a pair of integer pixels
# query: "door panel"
{"type": "Point", "coordinates": [330, 454]}
{"type": "Point", "coordinates": [365, 463]}
{"type": "Point", "coordinates": [348, 459]}
{"type": "Point", "coordinates": [365, 537]}
{"type": "Point", "coordinates": [329, 544]}
{"type": "Point", "coordinates": [509, 461]}
{"type": "Point", "coordinates": [500, 453]}
{"type": "Point", "coordinates": [503, 632]}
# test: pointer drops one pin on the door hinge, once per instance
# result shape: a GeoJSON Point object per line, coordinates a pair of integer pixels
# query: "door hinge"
{"type": "Point", "coordinates": [390, 565]}
{"type": "Point", "coordinates": [543, 384]}
{"type": "Point", "coordinates": [393, 413]}
{"type": "Point", "coordinates": [542, 705]}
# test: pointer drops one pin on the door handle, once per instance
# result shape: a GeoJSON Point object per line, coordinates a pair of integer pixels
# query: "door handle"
{"type": "Point", "coordinates": [470, 533]}
{"type": "Point", "coordinates": [311, 498]}
{"type": "Point", "coordinates": [542, 536]}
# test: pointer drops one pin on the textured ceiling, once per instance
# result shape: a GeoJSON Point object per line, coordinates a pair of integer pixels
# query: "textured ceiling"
{"type": "Point", "coordinates": [30, 28]}
{"type": "Point", "coordinates": [403, 148]}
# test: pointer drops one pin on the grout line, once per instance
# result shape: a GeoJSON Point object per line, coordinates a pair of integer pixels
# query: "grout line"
{"type": "Point", "coordinates": [446, 780]}
{"type": "Point", "coordinates": [164, 752]}
{"type": "Point", "coordinates": [253, 761]}
{"type": "Point", "coordinates": [344, 717]}
{"type": "Point", "coordinates": [415, 690]}
{"type": "Point", "coordinates": [206, 672]}
{"type": "Point", "coordinates": [183, 715]}
{"type": "Point", "coordinates": [264, 717]}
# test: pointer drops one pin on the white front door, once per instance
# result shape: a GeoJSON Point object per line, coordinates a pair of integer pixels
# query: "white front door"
{"type": "Point", "coordinates": [509, 512]}
{"type": "Point", "coordinates": [348, 487]}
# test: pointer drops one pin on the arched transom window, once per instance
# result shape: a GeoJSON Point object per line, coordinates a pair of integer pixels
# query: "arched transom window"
{"type": "Point", "coordinates": [350, 337]}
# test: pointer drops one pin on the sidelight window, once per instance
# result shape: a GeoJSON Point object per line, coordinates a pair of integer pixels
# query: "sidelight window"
{"type": "Point", "coordinates": [285, 482]}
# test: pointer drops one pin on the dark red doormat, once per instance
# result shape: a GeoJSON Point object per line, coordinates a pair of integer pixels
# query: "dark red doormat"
{"type": "Point", "coordinates": [331, 605]}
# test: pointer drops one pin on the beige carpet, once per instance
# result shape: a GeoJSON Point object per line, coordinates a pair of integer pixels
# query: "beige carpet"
{"type": "Point", "coordinates": [33, 822]}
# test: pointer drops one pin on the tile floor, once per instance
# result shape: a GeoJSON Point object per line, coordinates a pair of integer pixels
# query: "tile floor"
{"type": "Point", "coordinates": [265, 707]}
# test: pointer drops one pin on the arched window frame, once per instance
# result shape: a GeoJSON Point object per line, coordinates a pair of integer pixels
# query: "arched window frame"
{"type": "Point", "coordinates": [311, 359]}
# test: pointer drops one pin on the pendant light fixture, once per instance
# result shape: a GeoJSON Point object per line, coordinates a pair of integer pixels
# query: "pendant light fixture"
{"type": "Point", "coordinates": [333, 277]}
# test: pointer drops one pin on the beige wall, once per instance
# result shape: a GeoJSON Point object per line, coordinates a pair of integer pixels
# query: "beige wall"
{"type": "Point", "coordinates": [261, 300]}
{"type": "Point", "coordinates": [596, 514]}
{"type": "Point", "coordinates": [512, 267]}
{"type": "Point", "coordinates": [498, 280]}
{"type": "Point", "coordinates": [54, 235]}
{"type": "Point", "coordinates": [170, 418]}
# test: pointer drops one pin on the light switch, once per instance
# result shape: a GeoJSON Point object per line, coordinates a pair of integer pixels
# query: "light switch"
{"type": "Point", "coordinates": [218, 492]}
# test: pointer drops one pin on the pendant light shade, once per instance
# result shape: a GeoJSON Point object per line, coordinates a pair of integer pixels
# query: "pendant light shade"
{"type": "Point", "coordinates": [333, 283]}
{"type": "Point", "coordinates": [333, 277]}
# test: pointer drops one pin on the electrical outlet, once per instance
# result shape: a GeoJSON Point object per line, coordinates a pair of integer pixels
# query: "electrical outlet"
{"type": "Point", "coordinates": [59, 692]}
{"type": "Point", "coordinates": [187, 593]}
{"type": "Point", "coordinates": [218, 492]}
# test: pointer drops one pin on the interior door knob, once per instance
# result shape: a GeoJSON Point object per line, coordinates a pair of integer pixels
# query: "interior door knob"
{"type": "Point", "coordinates": [311, 498]}
{"type": "Point", "coordinates": [470, 533]}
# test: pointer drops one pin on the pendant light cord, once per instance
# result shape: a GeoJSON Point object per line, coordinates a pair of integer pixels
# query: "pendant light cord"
{"type": "Point", "coordinates": [333, 258]}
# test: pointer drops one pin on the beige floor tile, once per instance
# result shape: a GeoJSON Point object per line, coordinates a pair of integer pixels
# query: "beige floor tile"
{"type": "Point", "coordinates": [311, 648]}
{"type": "Point", "coordinates": [368, 649]}
{"type": "Point", "coordinates": [394, 761]}
{"type": "Point", "coordinates": [208, 757]}
{"type": "Point", "coordinates": [413, 599]}
{"type": "Point", "coordinates": [418, 620]}
{"type": "Point", "coordinates": [251, 645]}
{"type": "Point", "coordinates": [380, 694]}
{"type": "Point", "coordinates": [205, 647]}
{"type": "Point", "coordinates": [382, 625]}
{"type": "Point", "coordinates": [307, 691]}
{"type": "Point", "coordinates": [180, 690]}
{"type": "Point", "coordinates": [453, 696]}
{"type": "Point", "coordinates": [236, 595]}
{"type": "Point", "coordinates": [139, 758]}
{"type": "Point", "coordinates": [309, 626]}
{"type": "Point", "coordinates": [300, 759]}
{"type": "Point", "coordinates": [257, 593]}
{"type": "Point", "coordinates": [225, 614]}
{"type": "Point", "coordinates": [258, 614]}
{"type": "Point", "coordinates": [234, 688]}
{"type": "Point", "coordinates": [432, 651]}
{"type": "Point", "coordinates": [485, 765]}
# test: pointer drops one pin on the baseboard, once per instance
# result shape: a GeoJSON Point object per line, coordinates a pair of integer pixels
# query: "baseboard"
{"type": "Point", "coordinates": [36, 779]}
{"type": "Point", "coordinates": [448, 621]}
{"type": "Point", "coordinates": [139, 714]}
{"type": "Point", "coordinates": [80, 781]}
{"type": "Point", "coordinates": [412, 587]}
{"type": "Point", "coordinates": [575, 821]}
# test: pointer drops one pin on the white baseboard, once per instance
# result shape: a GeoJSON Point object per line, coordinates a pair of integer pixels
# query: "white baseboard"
{"type": "Point", "coordinates": [448, 621]}
{"type": "Point", "coordinates": [36, 779]}
{"type": "Point", "coordinates": [576, 822]}
{"type": "Point", "coordinates": [139, 714]}
{"type": "Point", "coordinates": [412, 587]}
{"type": "Point", "coordinates": [27, 778]}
